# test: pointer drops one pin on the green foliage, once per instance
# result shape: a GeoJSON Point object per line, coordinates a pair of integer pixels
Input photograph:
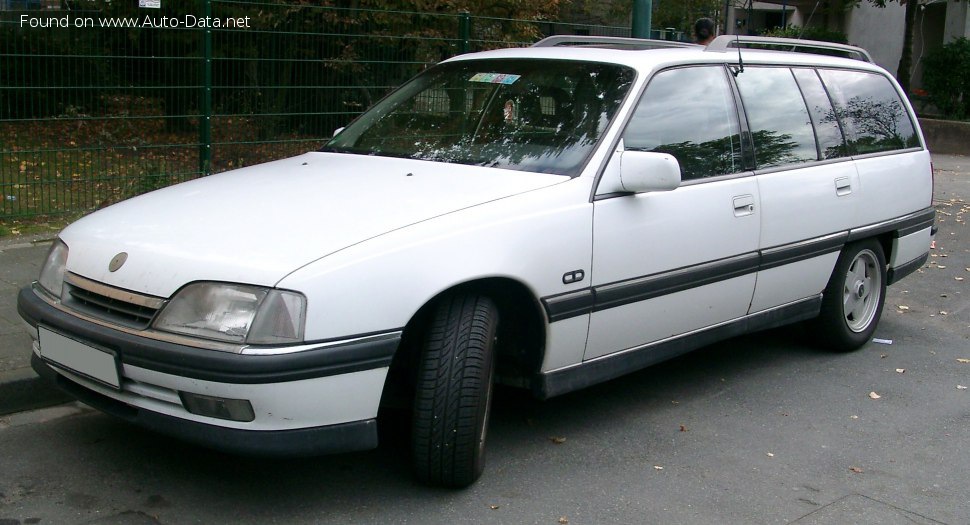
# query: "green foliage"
{"type": "Point", "coordinates": [809, 33]}
{"type": "Point", "coordinates": [946, 76]}
{"type": "Point", "coordinates": [678, 15]}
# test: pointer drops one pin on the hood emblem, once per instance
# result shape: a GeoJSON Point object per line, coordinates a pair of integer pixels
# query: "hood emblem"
{"type": "Point", "coordinates": [117, 262]}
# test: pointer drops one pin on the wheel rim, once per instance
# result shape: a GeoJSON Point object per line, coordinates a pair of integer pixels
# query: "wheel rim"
{"type": "Point", "coordinates": [861, 291]}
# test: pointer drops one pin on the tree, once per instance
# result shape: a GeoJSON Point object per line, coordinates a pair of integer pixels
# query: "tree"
{"type": "Point", "coordinates": [904, 70]}
{"type": "Point", "coordinates": [679, 15]}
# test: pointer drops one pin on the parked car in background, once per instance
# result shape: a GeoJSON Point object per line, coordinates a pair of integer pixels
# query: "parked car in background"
{"type": "Point", "coordinates": [548, 217]}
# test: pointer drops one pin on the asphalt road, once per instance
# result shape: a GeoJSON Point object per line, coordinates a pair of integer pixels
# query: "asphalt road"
{"type": "Point", "coordinates": [760, 429]}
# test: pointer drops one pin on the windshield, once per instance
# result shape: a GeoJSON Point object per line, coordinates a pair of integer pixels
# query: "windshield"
{"type": "Point", "coordinates": [532, 115]}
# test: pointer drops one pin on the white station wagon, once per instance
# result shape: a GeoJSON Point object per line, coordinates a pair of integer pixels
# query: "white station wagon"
{"type": "Point", "coordinates": [549, 217]}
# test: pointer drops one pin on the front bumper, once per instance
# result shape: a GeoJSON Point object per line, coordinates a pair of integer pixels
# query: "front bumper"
{"type": "Point", "coordinates": [316, 401]}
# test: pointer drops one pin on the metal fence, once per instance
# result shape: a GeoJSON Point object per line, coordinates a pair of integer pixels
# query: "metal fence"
{"type": "Point", "coordinates": [96, 106]}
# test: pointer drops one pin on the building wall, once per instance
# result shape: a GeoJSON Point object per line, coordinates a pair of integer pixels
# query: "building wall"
{"type": "Point", "coordinates": [878, 30]}
{"type": "Point", "coordinates": [957, 21]}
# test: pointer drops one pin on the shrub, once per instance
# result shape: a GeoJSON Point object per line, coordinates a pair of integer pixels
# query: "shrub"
{"type": "Point", "coordinates": [809, 33]}
{"type": "Point", "coordinates": [946, 76]}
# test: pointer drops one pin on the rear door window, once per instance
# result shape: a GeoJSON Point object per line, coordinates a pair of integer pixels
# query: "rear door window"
{"type": "Point", "coordinates": [777, 116]}
{"type": "Point", "coordinates": [870, 110]}
{"type": "Point", "coordinates": [689, 113]}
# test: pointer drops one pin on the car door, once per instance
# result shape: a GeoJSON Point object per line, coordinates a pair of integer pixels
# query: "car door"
{"type": "Point", "coordinates": [810, 189]}
{"type": "Point", "coordinates": [670, 263]}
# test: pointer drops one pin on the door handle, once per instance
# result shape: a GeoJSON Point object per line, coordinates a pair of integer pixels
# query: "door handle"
{"type": "Point", "coordinates": [743, 205]}
{"type": "Point", "coordinates": [843, 186]}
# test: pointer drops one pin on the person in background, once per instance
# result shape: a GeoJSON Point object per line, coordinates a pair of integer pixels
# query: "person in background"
{"type": "Point", "coordinates": [704, 31]}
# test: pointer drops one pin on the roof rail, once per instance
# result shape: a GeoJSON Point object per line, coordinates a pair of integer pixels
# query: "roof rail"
{"type": "Point", "coordinates": [608, 41]}
{"type": "Point", "coordinates": [724, 42]}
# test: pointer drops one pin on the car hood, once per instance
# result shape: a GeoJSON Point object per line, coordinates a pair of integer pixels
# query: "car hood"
{"type": "Point", "coordinates": [257, 224]}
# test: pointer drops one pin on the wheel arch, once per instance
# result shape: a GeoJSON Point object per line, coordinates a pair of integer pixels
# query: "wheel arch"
{"type": "Point", "coordinates": [521, 338]}
{"type": "Point", "coordinates": [886, 242]}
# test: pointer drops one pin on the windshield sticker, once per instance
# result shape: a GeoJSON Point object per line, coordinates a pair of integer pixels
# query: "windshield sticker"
{"type": "Point", "coordinates": [495, 78]}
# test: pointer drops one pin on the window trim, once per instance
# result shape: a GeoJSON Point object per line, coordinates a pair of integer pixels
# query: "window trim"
{"type": "Point", "coordinates": [801, 165]}
{"type": "Point", "coordinates": [864, 156]}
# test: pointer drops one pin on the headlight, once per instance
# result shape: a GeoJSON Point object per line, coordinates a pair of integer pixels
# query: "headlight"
{"type": "Point", "coordinates": [235, 313]}
{"type": "Point", "coordinates": [52, 274]}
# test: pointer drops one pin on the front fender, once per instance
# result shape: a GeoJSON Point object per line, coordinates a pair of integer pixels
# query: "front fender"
{"type": "Point", "coordinates": [533, 238]}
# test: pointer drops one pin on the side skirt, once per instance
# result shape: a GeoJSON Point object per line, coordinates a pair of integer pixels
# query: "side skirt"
{"type": "Point", "coordinates": [557, 382]}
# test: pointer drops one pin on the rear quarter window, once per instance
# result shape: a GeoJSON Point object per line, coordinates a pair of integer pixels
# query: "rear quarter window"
{"type": "Point", "coordinates": [870, 110]}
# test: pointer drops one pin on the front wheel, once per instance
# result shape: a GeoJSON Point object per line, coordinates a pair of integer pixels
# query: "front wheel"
{"type": "Point", "coordinates": [854, 297]}
{"type": "Point", "coordinates": [454, 391]}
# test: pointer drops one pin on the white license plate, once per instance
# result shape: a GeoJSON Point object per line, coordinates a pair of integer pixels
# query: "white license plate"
{"type": "Point", "coordinates": [79, 358]}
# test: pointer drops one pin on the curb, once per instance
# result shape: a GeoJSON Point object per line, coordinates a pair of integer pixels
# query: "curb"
{"type": "Point", "coordinates": [22, 389]}
{"type": "Point", "coordinates": [24, 241]}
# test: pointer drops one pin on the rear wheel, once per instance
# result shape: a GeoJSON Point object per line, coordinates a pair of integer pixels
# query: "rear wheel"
{"type": "Point", "coordinates": [854, 297]}
{"type": "Point", "coordinates": [454, 391]}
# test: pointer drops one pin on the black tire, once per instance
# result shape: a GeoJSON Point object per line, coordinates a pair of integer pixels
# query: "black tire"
{"type": "Point", "coordinates": [454, 391]}
{"type": "Point", "coordinates": [853, 299]}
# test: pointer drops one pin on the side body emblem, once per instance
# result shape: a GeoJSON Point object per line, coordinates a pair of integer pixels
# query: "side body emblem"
{"type": "Point", "coordinates": [117, 262]}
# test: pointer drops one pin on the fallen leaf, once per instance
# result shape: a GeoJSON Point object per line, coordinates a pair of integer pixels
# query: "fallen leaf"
{"type": "Point", "coordinates": [883, 356]}
{"type": "Point", "coordinates": [683, 428]}
{"type": "Point", "coordinates": [943, 312]}
{"type": "Point", "coordinates": [940, 266]}
{"type": "Point", "coordinates": [769, 454]}
{"type": "Point", "coordinates": [657, 467]}
{"type": "Point", "coordinates": [902, 307]}
{"type": "Point", "coordinates": [958, 278]}
{"type": "Point", "coordinates": [558, 440]}
{"type": "Point", "coordinates": [963, 360]}
{"type": "Point", "coordinates": [857, 470]}
{"type": "Point", "coordinates": [563, 520]}
{"type": "Point", "coordinates": [853, 417]}
{"type": "Point", "coordinates": [493, 507]}
{"type": "Point", "coordinates": [961, 387]}
{"type": "Point", "coordinates": [873, 395]}
{"type": "Point", "coordinates": [900, 370]}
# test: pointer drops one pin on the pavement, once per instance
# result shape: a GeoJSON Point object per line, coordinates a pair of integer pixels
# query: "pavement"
{"type": "Point", "coordinates": [21, 257]}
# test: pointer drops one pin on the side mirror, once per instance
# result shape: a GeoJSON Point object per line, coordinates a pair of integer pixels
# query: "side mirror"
{"type": "Point", "coordinates": [642, 171]}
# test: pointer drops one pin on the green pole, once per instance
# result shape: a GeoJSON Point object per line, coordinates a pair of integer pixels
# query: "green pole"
{"type": "Point", "coordinates": [464, 32]}
{"type": "Point", "coordinates": [205, 120]}
{"type": "Point", "coordinates": [642, 18]}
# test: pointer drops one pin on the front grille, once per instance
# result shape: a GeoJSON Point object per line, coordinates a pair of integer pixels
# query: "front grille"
{"type": "Point", "coordinates": [109, 303]}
